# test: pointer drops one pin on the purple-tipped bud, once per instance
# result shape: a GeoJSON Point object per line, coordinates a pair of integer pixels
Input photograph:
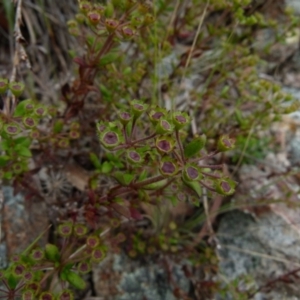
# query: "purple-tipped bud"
{"type": "Point", "coordinates": [18, 269]}
{"type": "Point", "coordinates": [180, 119]}
{"type": "Point", "coordinates": [84, 267]}
{"type": "Point", "coordinates": [3, 85]}
{"type": "Point", "coordinates": [65, 229]}
{"type": "Point", "coordinates": [80, 230]}
{"type": "Point", "coordinates": [12, 129]}
{"type": "Point", "coordinates": [40, 111]}
{"type": "Point", "coordinates": [28, 295]}
{"type": "Point", "coordinates": [66, 295]}
{"type": "Point", "coordinates": [94, 17]}
{"type": "Point", "coordinates": [34, 134]}
{"type": "Point", "coordinates": [37, 254]}
{"type": "Point", "coordinates": [134, 157]}
{"type": "Point", "coordinates": [46, 296]}
{"type": "Point", "coordinates": [16, 88]}
{"type": "Point", "coordinates": [225, 143]}
{"type": "Point", "coordinates": [136, 21]}
{"type": "Point", "coordinates": [28, 276]}
{"type": "Point", "coordinates": [29, 122]}
{"type": "Point", "coordinates": [191, 173]}
{"type": "Point", "coordinates": [110, 139]}
{"type": "Point", "coordinates": [29, 107]}
{"type": "Point", "coordinates": [127, 32]}
{"type": "Point", "coordinates": [164, 144]}
{"type": "Point", "coordinates": [64, 143]}
{"type": "Point", "coordinates": [18, 168]}
{"type": "Point", "coordinates": [137, 108]}
{"type": "Point", "coordinates": [156, 114]}
{"type": "Point", "coordinates": [98, 255]}
{"type": "Point", "coordinates": [224, 186]}
{"type": "Point", "coordinates": [164, 126]}
{"type": "Point", "coordinates": [111, 24]}
{"type": "Point", "coordinates": [73, 135]}
{"type": "Point", "coordinates": [34, 286]}
{"type": "Point", "coordinates": [85, 7]}
{"type": "Point", "coordinates": [92, 241]}
{"type": "Point", "coordinates": [168, 168]}
{"type": "Point", "coordinates": [125, 117]}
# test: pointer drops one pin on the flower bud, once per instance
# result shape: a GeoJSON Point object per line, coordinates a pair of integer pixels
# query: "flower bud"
{"type": "Point", "coordinates": [145, 6]}
{"type": "Point", "coordinates": [180, 119]}
{"type": "Point", "coordinates": [109, 139]}
{"type": "Point", "coordinates": [92, 241]}
{"type": "Point", "coordinates": [46, 296]}
{"type": "Point", "coordinates": [3, 85]}
{"type": "Point", "coordinates": [85, 7]}
{"type": "Point", "coordinates": [125, 117]}
{"type": "Point", "coordinates": [190, 173]}
{"type": "Point", "coordinates": [163, 126]}
{"type": "Point", "coordinates": [52, 252]}
{"type": "Point", "coordinates": [137, 108]}
{"type": "Point", "coordinates": [136, 21]}
{"type": "Point", "coordinates": [84, 267]}
{"type": "Point", "coordinates": [73, 135]}
{"type": "Point", "coordinates": [164, 144]}
{"type": "Point", "coordinates": [80, 230]}
{"type": "Point", "coordinates": [94, 17]}
{"type": "Point", "coordinates": [127, 32]}
{"type": "Point", "coordinates": [66, 295]}
{"type": "Point", "coordinates": [168, 168]}
{"type": "Point", "coordinates": [148, 19]}
{"type": "Point", "coordinates": [98, 255]}
{"type": "Point", "coordinates": [29, 122]}
{"type": "Point", "coordinates": [28, 295]}
{"type": "Point", "coordinates": [16, 88]}
{"type": "Point", "coordinates": [111, 24]}
{"type": "Point", "coordinates": [225, 143]}
{"type": "Point", "coordinates": [12, 129]}
{"type": "Point", "coordinates": [28, 276]}
{"type": "Point", "coordinates": [224, 186]}
{"type": "Point", "coordinates": [99, 9]}
{"type": "Point", "coordinates": [18, 269]}
{"type": "Point", "coordinates": [129, 4]}
{"type": "Point", "coordinates": [80, 18]}
{"type": "Point", "coordinates": [65, 229]}
{"type": "Point", "coordinates": [40, 111]}
{"type": "Point", "coordinates": [37, 254]}
{"type": "Point", "coordinates": [134, 157]}
{"type": "Point", "coordinates": [156, 114]}
{"type": "Point", "coordinates": [64, 143]}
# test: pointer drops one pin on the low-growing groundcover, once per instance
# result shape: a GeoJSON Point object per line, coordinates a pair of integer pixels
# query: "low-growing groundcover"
{"type": "Point", "coordinates": [157, 146]}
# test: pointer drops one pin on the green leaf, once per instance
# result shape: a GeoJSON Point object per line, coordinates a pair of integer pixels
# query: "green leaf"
{"type": "Point", "coordinates": [123, 178]}
{"type": "Point", "coordinates": [95, 160]}
{"type": "Point", "coordinates": [194, 146]}
{"type": "Point", "coordinates": [195, 186]}
{"type": "Point", "coordinates": [23, 140]}
{"type": "Point", "coordinates": [3, 160]}
{"type": "Point", "coordinates": [20, 110]}
{"type": "Point", "coordinates": [106, 167]}
{"type": "Point", "coordinates": [108, 58]}
{"type": "Point", "coordinates": [75, 280]}
{"type": "Point", "coordinates": [23, 151]}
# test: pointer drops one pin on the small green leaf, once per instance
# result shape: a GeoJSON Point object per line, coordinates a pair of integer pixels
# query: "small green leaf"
{"type": "Point", "coordinates": [3, 160]}
{"type": "Point", "coordinates": [106, 167]}
{"type": "Point", "coordinates": [194, 146]}
{"type": "Point", "coordinates": [195, 186]}
{"type": "Point", "coordinates": [95, 160]}
{"type": "Point", "coordinates": [21, 110]}
{"type": "Point", "coordinates": [108, 58]}
{"type": "Point", "coordinates": [75, 280]}
{"type": "Point", "coordinates": [23, 151]}
{"type": "Point", "coordinates": [23, 140]}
